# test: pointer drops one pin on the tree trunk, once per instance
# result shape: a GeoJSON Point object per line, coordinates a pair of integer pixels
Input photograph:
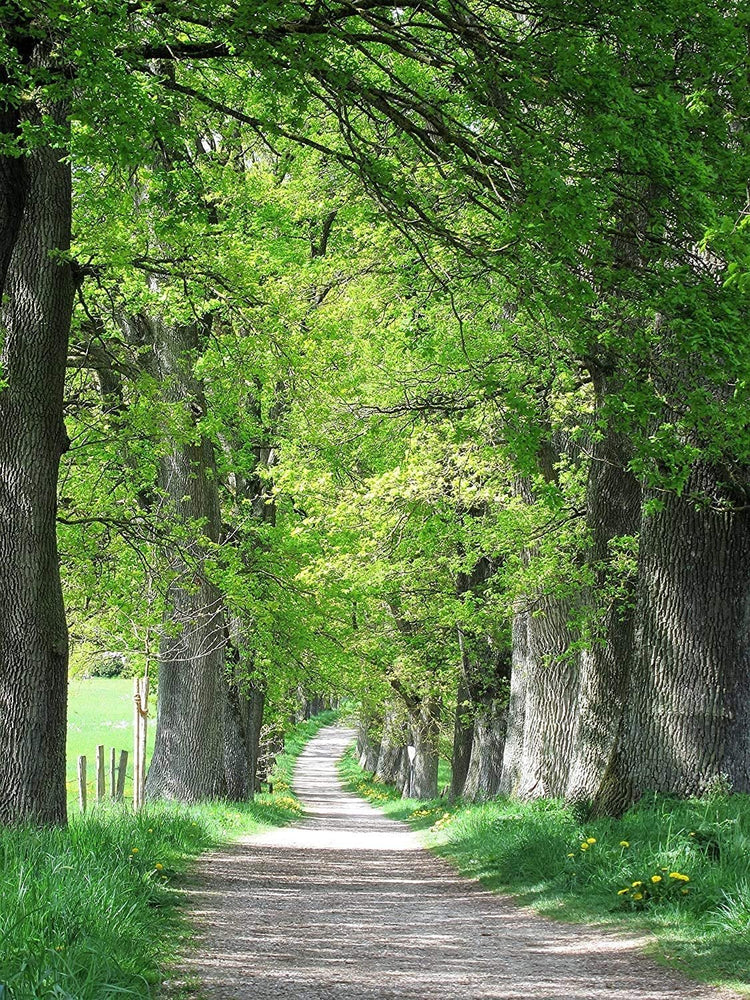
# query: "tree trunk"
{"type": "Point", "coordinates": [423, 775]}
{"type": "Point", "coordinates": [190, 753]}
{"type": "Point", "coordinates": [510, 779]}
{"type": "Point", "coordinates": [613, 511]}
{"type": "Point", "coordinates": [14, 183]}
{"type": "Point", "coordinates": [368, 740]}
{"type": "Point", "coordinates": [243, 720]}
{"type": "Point", "coordinates": [35, 317]}
{"type": "Point", "coordinates": [486, 764]}
{"type": "Point", "coordinates": [689, 719]}
{"type": "Point", "coordinates": [487, 672]}
{"type": "Point", "coordinates": [390, 765]}
{"type": "Point", "coordinates": [542, 759]}
{"type": "Point", "coordinates": [463, 735]}
{"type": "Point", "coordinates": [482, 692]}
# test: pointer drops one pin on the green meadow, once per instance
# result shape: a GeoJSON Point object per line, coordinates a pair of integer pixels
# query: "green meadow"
{"type": "Point", "coordinates": [100, 711]}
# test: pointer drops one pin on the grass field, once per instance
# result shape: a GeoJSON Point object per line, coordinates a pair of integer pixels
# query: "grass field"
{"type": "Point", "coordinates": [100, 710]}
{"type": "Point", "coordinates": [678, 869]}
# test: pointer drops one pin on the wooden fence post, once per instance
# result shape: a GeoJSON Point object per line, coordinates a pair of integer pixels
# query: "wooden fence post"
{"type": "Point", "coordinates": [100, 773]}
{"type": "Point", "coordinates": [112, 774]}
{"type": "Point", "coordinates": [82, 783]}
{"type": "Point", "coordinates": [140, 717]}
{"type": "Point", "coordinates": [136, 742]}
{"type": "Point", "coordinates": [144, 733]}
{"type": "Point", "coordinates": [120, 793]}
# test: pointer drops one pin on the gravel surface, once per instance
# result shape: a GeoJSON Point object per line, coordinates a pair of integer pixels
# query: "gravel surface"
{"type": "Point", "coordinates": [347, 904]}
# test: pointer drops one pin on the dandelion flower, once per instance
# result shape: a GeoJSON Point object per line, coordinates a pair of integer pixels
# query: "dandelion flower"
{"type": "Point", "coordinates": [656, 878]}
{"type": "Point", "coordinates": [571, 855]}
{"type": "Point", "coordinates": [621, 892]}
{"type": "Point", "coordinates": [591, 840]}
{"type": "Point", "coordinates": [679, 876]}
{"type": "Point", "coordinates": [636, 884]}
{"type": "Point", "coordinates": [134, 851]}
{"type": "Point", "coordinates": [637, 895]}
{"type": "Point", "coordinates": [584, 847]}
{"type": "Point", "coordinates": [624, 843]}
{"type": "Point", "coordinates": [159, 866]}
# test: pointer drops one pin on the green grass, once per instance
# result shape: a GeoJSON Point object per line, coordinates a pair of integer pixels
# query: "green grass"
{"type": "Point", "coordinates": [100, 710]}
{"type": "Point", "coordinates": [92, 911]}
{"type": "Point", "coordinates": [534, 851]}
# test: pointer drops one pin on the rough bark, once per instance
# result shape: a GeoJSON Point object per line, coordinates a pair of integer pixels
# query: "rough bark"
{"type": "Point", "coordinates": [422, 781]}
{"type": "Point", "coordinates": [190, 753]}
{"type": "Point", "coordinates": [688, 722]}
{"type": "Point", "coordinates": [613, 510]}
{"type": "Point", "coordinates": [391, 765]}
{"type": "Point", "coordinates": [482, 691]}
{"type": "Point", "coordinates": [510, 779]}
{"type": "Point", "coordinates": [486, 764]}
{"type": "Point", "coordinates": [463, 736]}
{"type": "Point", "coordinates": [243, 720]}
{"type": "Point", "coordinates": [551, 695]}
{"type": "Point", "coordinates": [368, 739]}
{"type": "Point", "coordinates": [487, 671]}
{"type": "Point", "coordinates": [544, 676]}
{"type": "Point", "coordinates": [36, 313]}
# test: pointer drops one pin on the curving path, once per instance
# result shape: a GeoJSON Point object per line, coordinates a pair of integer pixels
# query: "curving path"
{"type": "Point", "coordinates": [346, 904]}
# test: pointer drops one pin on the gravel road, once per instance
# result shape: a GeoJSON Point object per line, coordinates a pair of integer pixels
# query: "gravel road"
{"type": "Point", "coordinates": [346, 905]}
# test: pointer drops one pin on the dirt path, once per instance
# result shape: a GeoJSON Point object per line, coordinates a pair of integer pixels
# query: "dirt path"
{"type": "Point", "coordinates": [348, 905]}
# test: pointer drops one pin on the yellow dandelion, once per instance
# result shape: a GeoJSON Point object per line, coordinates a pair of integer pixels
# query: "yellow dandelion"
{"type": "Point", "coordinates": [584, 847]}
{"type": "Point", "coordinates": [637, 895]}
{"type": "Point", "coordinates": [571, 855]}
{"type": "Point", "coordinates": [621, 892]}
{"type": "Point", "coordinates": [591, 840]}
{"type": "Point", "coordinates": [624, 843]}
{"type": "Point", "coordinates": [159, 866]}
{"type": "Point", "coordinates": [150, 830]}
{"type": "Point", "coordinates": [636, 884]}
{"type": "Point", "coordinates": [134, 851]}
{"type": "Point", "coordinates": [656, 878]}
{"type": "Point", "coordinates": [692, 833]}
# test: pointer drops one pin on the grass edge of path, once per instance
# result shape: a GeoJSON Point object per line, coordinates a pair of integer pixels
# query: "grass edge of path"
{"type": "Point", "coordinates": [543, 857]}
{"type": "Point", "coordinates": [93, 911]}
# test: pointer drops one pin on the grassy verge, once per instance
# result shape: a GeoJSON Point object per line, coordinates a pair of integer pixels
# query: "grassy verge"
{"type": "Point", "coordinates": [622, 873]}
{"type": "Point", "coordinates": [91, 912]}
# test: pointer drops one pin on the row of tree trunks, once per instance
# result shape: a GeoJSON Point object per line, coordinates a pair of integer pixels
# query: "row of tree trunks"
{"type": "Point", "coordinates": [661, 707]}
{"type": "Point", "coordinates": [481, 701]}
